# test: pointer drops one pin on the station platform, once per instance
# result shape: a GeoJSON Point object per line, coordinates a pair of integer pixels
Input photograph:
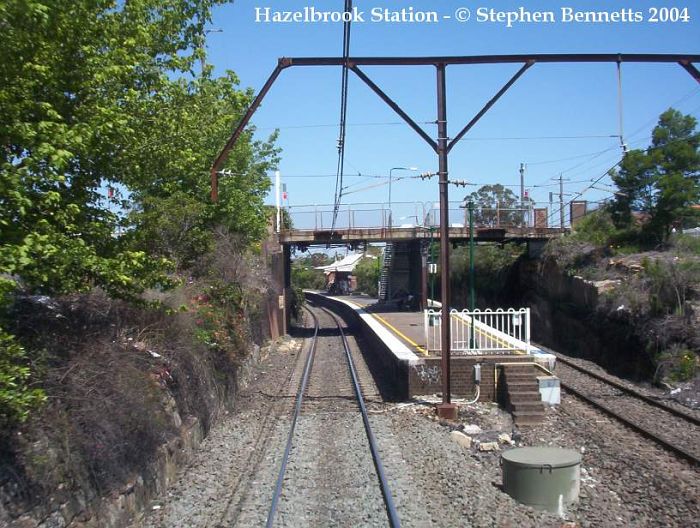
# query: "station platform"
{"type": "Point", "coordinates": [397, 339]}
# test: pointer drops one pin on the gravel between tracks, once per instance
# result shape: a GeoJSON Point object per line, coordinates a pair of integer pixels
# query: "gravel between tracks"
{"type": "Point", "coordinates": [626, 481]}
{"type": "Point", "coordinates": [674, 429]}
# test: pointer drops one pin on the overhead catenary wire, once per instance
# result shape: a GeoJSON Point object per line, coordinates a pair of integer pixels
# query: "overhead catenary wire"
{"type": "Point", "coordinates": [692, 93]}
{"type": "Point", "coordinates": [343, 112]}
{"type": "Point", "coordinates": [619, 106]}
{"type": "Point", "coordinates": [595, 181]}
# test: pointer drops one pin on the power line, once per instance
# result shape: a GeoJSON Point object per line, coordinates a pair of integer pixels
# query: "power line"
{"type": "Point", "coordinates": [343, 112]}
{"type": "Point", "coordinates": [578, 156]}
{"type": "Point", "coordinates": [607, 173]}
{"type": "Point", "coordinates": [682, 99]}
{"type": "Point", "coordinates": [538, 138]}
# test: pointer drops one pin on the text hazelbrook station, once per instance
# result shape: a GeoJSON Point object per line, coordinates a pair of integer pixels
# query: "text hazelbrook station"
{"type": "Point", "coordinates": [522, 15]}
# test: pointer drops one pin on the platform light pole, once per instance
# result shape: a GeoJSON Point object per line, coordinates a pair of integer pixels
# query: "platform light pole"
{"type": "Point", "coordinates": [469, 205]}
{"type": "Point", "coordinates": [390, 180]}
{"type": "Point", "coordinates": [432, 268]}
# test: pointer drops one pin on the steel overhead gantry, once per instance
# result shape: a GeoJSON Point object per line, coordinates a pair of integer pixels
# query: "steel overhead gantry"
{"type": "Point", "coordinates": [443, 144]}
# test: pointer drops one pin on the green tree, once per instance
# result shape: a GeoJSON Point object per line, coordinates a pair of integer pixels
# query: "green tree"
{"type": "Point", "coordinates": [305, 276]}
{"type": "Point", "coordinates": [171, 157]}
{"type": "Point", "coordinates": [98, 93]}
{"type": "Point", "coordinates": [80, 66]}
{"type": "Point", "coordinates": [367, 272]}
{"type": "Point", "coordinates": [496, 205]}
{"type": "Point", "coordinates": [661, 181]}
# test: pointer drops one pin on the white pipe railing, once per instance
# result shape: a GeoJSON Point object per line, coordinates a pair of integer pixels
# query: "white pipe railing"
{"type": "Point", "coordinates": [480, 332]}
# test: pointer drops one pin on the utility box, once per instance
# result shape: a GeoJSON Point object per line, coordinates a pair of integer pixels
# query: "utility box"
{"type": "Point", "coordinates": [547, 478]}
{"type": "Point", "coordinates": [550, 389]}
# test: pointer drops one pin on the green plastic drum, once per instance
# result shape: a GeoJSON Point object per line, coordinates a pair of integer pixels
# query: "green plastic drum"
{"type": "Point", "coordinates": [547, 478]}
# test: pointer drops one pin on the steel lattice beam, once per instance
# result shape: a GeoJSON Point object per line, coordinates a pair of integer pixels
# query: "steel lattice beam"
{"type": "Point", "coordinates": [686, 61]}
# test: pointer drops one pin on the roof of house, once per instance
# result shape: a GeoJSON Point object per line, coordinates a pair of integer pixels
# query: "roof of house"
{"type": "Point", "coordinates": [346, 264]}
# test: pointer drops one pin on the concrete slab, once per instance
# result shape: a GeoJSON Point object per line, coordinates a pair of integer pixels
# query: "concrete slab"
{"type": "Point", "coordinates": [407, 327]}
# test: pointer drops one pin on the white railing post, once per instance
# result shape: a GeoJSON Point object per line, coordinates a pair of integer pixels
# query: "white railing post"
{"type": "Point", "coordinates": [527, 328]}
{"type": "Point", "coordinates": [425, 326]}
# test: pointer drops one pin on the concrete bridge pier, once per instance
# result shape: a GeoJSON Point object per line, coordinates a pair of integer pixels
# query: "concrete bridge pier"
{"type": "Point", "coordinates": [408, 269]}
{"type": "Point", "coordinates": [535, 247]}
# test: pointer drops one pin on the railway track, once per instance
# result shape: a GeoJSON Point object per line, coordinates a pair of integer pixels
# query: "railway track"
{"type": "Point", "coordinates": [326, 388]}
{"type": "Point", "coordinates": [674, 428]}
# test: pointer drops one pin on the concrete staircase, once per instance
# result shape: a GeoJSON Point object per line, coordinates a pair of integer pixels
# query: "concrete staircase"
{"type": "Point", "coordinates": [385, 273]}
{"type": "Point", "coordinates": [520, 393]}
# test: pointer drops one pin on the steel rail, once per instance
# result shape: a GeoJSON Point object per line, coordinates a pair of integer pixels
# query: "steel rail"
{"type": "Point", "coordinates": [630, 391]}
{"type": "Point", "coordinates": [386, 492]}
{"type": "Point", "coordinates": [680, 451]}
{"type": "Point", "coordinates": [290, 437]}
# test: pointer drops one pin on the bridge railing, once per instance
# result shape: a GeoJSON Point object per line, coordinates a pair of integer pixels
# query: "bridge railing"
{"type": "Point", "coordinates": [373, 215]}
{"type": "Point", "coordinates": [480, 332]}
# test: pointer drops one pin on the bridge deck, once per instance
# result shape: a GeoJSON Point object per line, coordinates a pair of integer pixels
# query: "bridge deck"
{"type": "Point", "coordinates": [304, 236]}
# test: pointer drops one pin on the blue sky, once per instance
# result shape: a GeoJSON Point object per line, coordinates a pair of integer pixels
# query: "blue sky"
{"type": "Point", "coordinates": [556, 118]}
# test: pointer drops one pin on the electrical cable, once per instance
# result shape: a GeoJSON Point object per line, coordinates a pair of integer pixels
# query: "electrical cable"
{"type": "Point", "coordinates": [343, 113]}
{"type": "Point", "coordinates": [578, 156]}
{"type": "Point", "coordinates": [682, 99]}
{"type": "Point", "coordinates": [607, 173]}
{"type": "Point", "coordinates": [619, 105]}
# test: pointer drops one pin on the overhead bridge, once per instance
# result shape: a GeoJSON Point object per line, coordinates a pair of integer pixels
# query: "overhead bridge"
{"type": "Point", "coordinates": [379, 234]}
{"type": "Point", "coordinates": [408, 221]}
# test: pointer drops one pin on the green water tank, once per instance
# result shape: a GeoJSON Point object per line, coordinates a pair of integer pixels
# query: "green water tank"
{"type": "Point", "coordinates": [546, 478]}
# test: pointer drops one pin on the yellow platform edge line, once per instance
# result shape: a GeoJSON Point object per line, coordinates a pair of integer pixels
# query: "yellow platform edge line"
{"type": "Point", "coordinates": [393, 328]}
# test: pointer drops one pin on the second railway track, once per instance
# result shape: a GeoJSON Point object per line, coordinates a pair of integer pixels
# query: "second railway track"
{"type": "Point", "coordinates": [331, 472]}
{"type": "Point", "coordinates": [675, 429]}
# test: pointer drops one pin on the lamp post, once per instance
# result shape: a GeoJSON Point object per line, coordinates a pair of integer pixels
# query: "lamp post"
{"type": "Point", "coordinates": [390, 180]}
{"type": "Point", "coordinates": [469, 205]}
{"type": "Point", "coordinates": [433, 263]}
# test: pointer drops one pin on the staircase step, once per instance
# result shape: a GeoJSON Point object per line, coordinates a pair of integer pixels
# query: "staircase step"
{"type": "Point", "coordinates": [528, 418]}
{"type": "Point", "coordinates": [510, 376]}
{"type": "Point", "coordinates": [534, 406]}
{"type": "Point", "coordinates": [518, 369]}
{"type": "Point", "coordinates": [529, 413]}
{"type": "Point", "coordinates": [522, 386]}
{"type": "Point", "coordinates": [521, 396]}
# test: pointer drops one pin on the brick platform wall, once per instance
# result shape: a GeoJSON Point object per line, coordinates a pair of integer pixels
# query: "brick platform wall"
{"type": "Point", "coordinates": [427, 377]}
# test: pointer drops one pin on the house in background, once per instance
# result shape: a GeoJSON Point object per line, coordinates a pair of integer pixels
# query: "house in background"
{"type": "Point", "coordinates": [339, 277]}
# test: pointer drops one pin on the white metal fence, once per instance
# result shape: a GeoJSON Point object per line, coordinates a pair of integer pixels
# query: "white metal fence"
{"type": "Point", "coordinates": [406, 215]}
{"type": "Point", "coordinates": [480, 331]}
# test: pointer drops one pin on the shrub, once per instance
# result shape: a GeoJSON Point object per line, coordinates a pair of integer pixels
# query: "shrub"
{"type": "Point", "coordinates": [596, 228]}
{"type": "Point", "coordinates": [17, 397]}
{"type": "Point", "coordinates": [686, 244]}
{"type": "Point", "coordinates": [367, 273]}
{"type": "Point", "coordinates": [669, 283]}
{"type": "Point", "coordinates": [568, 252]}
{"type": "Point", "coordinates": [677, 363]}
